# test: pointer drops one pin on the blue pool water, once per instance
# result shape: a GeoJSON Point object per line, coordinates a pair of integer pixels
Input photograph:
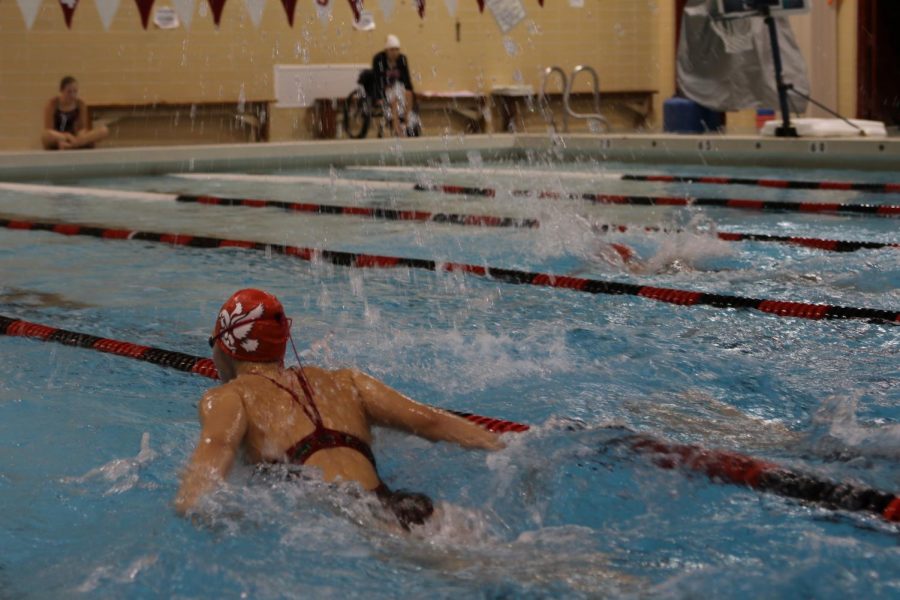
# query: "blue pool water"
{"type": "Point", "coordinates": [86, 512]}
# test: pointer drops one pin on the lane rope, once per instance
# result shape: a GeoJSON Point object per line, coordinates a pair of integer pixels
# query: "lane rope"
{"type": "Point", "coordinates": [495, 221]}
{"type": "Point", "coordinates": [766, 182]}
{"type": "Point", "coordinates": [718, 465]}
{"type": "Point", "coordinates": [780, 308]}
{"type": "Point", "coordinates": [827, 208]}
{"type": "Point", "coordinates": [388, 214]}
{"type": "Point", "coordinates": [175, 360]}
{"type": "Point", "coordinates": [405, 215]}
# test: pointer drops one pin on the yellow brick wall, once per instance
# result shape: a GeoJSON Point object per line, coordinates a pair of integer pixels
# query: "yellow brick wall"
{"type": "Point", "coordinates": [129, 65]}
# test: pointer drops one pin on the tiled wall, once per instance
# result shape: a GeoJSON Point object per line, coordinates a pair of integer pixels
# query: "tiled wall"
{"type": "Point", "coordinates": [127, 65]}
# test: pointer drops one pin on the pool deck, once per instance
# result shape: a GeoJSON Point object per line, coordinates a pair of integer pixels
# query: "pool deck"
{"type": "Point", "coordinates": [806, 153]}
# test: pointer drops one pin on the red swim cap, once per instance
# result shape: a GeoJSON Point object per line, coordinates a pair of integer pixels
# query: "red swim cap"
{"type": "Point", "coordinates": [252, 326]}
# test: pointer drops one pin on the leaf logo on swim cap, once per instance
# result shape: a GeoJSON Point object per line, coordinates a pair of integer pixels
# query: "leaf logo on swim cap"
{"type": "Point", "coordinates": [235, 332]}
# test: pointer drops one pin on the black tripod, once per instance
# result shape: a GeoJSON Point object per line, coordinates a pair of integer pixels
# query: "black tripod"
{"type": "Point", "coordinates": [786, 129]}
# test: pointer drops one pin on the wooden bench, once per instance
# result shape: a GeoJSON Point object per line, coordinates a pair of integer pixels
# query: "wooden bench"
{"type": "Point", "coordinates": [470, 106]}
{"type": "Point", "coordinates": [168, 122]}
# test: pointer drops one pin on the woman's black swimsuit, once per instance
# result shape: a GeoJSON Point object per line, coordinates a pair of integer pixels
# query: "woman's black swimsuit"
{"type": "Point", "coordinates": [65, 121]}
{"type": "Point", "coordinates": [410, 508]}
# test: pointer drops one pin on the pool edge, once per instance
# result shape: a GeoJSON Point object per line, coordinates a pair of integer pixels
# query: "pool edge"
{"type": "Point", "coordinates": [844, 153]}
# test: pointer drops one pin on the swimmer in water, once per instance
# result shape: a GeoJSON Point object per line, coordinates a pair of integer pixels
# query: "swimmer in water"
{"type": "Point", "coordinates": [303, 415]}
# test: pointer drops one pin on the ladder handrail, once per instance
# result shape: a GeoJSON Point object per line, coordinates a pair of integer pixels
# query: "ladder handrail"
{"type": "Point", "coordinates": [548, 114]}
{"type": "Point", "coordinates": [590, 116]}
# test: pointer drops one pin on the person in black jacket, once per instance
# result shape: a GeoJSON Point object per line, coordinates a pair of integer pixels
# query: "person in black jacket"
{"type": "Point", "coordinates": [394, 87]}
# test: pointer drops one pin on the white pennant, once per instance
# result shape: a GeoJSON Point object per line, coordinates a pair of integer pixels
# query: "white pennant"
{"type": "Point", "coordinates": [185, 10]}
{"type": "Point", "coordinates": [387, 8]}
{"type": "Point", "coordinates": [107, 10]}
{"type": "Point", "coordinates": [324, 12]}
{"type": "Point", "coordinates": [29, 9]}
{"type": "Point", "coordinates": [255, 9]}
{"type": "Point", "coordinates": [451, 7]}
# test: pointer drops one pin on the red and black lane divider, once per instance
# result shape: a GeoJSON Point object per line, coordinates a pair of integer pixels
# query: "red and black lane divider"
{"type": "Point", "coordinates": [784, 184]}
{"type": "Point", "coordinates": [365, 211]}
{"type": "Point", "coordinates": [739, 469]}
{"type": "Point", "coordinates": [780, 308]}
{"type": "Point", "coordinates": [719, 465]}
{"type": "Point", "coordinates": [830, 208]}
{"type": "Point", "coordinates": [495, 221]}
{"type": "Point", "coordinates": [821, 244]}
{"type": "Point", "coordinates": [174, 360]}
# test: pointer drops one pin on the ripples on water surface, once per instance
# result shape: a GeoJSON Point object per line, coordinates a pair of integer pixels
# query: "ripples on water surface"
{"type": "Point", "coordinates": [92, 444]}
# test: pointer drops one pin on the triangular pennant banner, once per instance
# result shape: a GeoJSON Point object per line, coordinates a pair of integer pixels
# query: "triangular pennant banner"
{"type": "Point", "coordinates": [255, 10]}
{"type": "Point", "coordinates": [420, 8]}
{"type": "Point", "coordinates": [68, 8]}
{"type": "Point", "coordinates": [185, 11]}
{"type": "Point", "coordinates": [387, 8]}
{"type": "Point", "coordinates": [217, 6]}
{"type": "Point", "coordinates": [107, 10]}
{"type": "Point", "coordinates": [144, 8]}
{"type": "Point", "coordinates": [451, 7]}
{"type": "Point", "coordinates": [481, 6]}
{"type": "Point", "coordinates": [356, 7]}
{"type": "Point", "coordinates": [29, 10]}
{"type": "Point", "coordinates": [289, 6]}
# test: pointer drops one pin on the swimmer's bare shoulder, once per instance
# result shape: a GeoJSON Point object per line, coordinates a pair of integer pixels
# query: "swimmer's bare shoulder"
{"type": "Point", "coordinates": [223, 424]}
{"type": "Point", "coordinates": [387, 407]}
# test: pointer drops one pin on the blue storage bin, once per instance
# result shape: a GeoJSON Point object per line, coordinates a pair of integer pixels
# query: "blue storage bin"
{"type": "Point", "coordinates": [681, 115]}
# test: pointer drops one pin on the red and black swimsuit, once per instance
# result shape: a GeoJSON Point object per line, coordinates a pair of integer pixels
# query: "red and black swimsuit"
{"type": "Point", "coordinates": [409, 507]}
{"type": "Point", "coordinates": [321, 438]}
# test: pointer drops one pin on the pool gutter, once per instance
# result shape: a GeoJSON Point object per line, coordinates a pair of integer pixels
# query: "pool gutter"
{"type": "Point", "coordinates": [844, 153]}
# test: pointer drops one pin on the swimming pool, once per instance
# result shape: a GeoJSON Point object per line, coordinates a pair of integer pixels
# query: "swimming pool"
{"type": "Point", "coordinates": [563, 510]}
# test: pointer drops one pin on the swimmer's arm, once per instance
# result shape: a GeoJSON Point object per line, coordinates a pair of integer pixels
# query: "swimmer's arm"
{"type": "Point", "coordinates": [389, 408]}
{"type": "Point", "coordinates": [223, 425]}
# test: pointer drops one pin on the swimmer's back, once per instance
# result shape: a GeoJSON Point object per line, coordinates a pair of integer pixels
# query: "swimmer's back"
{"type": "Point", "coordinates": [276, 422]}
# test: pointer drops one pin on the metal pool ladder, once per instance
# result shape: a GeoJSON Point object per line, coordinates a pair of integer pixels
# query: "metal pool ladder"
{"type": "Point", "coordinates": [544, 102]}
{"type": "Point", "coordinates": [590, 117]}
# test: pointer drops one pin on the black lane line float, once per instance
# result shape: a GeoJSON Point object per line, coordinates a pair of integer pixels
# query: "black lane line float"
{"type": "Point", "coordinates": [391, 214]}
{"type": "Point", "coordinates": [781, 308]}
{"type": "Point", "coordinates": [719, 465]}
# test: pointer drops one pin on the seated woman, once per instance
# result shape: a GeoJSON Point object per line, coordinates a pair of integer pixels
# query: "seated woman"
{"type": "Point", "coordinates": [393, 84]}
{"type": "Point", "coordinates": [303, 415]}
{"type": "Point", "coordinates": [66, 120]}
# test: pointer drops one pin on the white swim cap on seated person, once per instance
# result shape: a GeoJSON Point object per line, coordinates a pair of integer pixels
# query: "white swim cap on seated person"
{"type": "Point", "coordinates": [392, 42]}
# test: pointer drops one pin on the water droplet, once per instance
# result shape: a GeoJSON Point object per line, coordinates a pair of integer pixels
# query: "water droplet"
{"type": "Point", "coordinates": [512, 48]}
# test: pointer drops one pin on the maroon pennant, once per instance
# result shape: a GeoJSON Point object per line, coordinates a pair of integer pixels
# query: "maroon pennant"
{"type": "Point", "coordinates": [420, 8]}
{"type": "Point", "coordinates": [289, 6]}
{"type": "Point", "coordinates": [481, 6]}
{"type": "Point", "coordinates": [68, 8]}
{"type": "Point", "coordinates": [144, 7]}
{"type": "Point", "coordinates": [217, 6]}
{"type": "Point", "coordinates": [356, 7]}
